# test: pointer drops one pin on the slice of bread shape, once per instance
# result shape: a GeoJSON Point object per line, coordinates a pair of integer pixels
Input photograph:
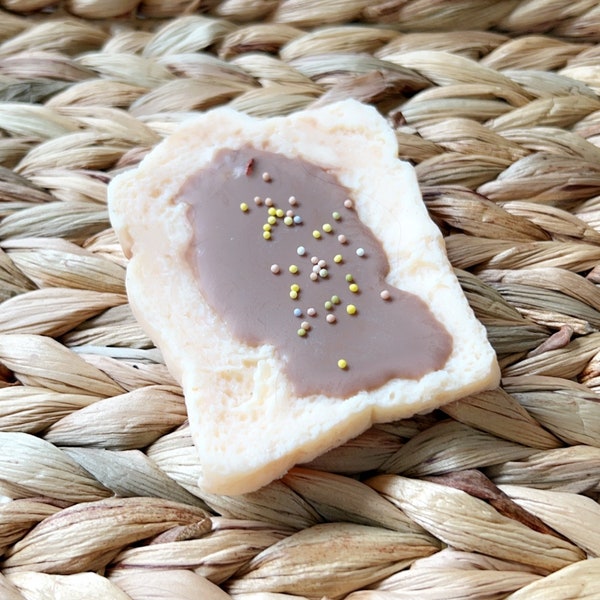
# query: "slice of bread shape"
{"type": "Point", "coordinates": [253, 411]}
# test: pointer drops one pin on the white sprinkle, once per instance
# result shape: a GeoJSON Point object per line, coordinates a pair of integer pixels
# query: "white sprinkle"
{"type": "Point", "coordinates": [275, 269]}
{"type": "Point", "coordinates": [289, 213]}
{"type": "Point", "coordinates": [385, 295]}
{"type": "Point", "coordinates": [330, 318]}
{"type": "Point", "coordinates": [311, 312]}
{"type": "Point", "coordinates": [257, 200]}
{"type": "Point", "coordinates": [305, 325]}
{"type": "Point", "coordinates": [316, 268]}
{"type": "Point", "coordinates": [301, 250]}
{"type": "Point", "coordinates": [322, 264]}
{"type": "Point", "coordinates": [292, 200]}
{"type": "Point", "coordinates": [348, 203]}
{"type": "Point", "coordinates": [360, 252]}
{"type": "Point", "coordinates": [268, 202]}
{"type": "Point", "coordinates": [314, 260]}
{"type": "Point", "coordinates": [266, 177]}
{"type": "Point", "coordinates": [342, 238]}
{"type": "Point", "coordinates": [313, 276]}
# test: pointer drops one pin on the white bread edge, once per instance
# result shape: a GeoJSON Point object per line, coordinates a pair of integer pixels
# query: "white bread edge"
{"type": "Point", "coordinates": [247, 424]}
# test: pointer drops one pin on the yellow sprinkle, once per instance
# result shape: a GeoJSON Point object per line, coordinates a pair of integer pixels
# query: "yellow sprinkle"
{"type": "Point", "coordinates": [295, 287]}
{"type": "Point", "coordinates": [293, 269]}
{"type": "Point", "coordinates": [342, 364]}
{"type": "Point", "coordinates": [351, 309]}
{"type": "Point", "coordinates": [316, 234]}
{"type": "Point", "coordinates": [243, 207]}
{"type": "Point", "coordinates": [353, 288]}
{"type": "Point", "coordinates": [279, 213]}
{"type": "Point", "coordinates": [266, 227]}
{"type": "Point", "coordinates": [267, 235]}
{"type": "Point", "coordinates": [288, 221]}
{"type": "Point", "coordinates": [272, 211]}
{"type": "Point", "coordinates": [272, 220]}
{"type": "Point", "coordinates": [293, 294]}
{"type": "Point", "coordinates": [301, 332]}
{"type": "Point", "coordinates": [327, 228]}
{"type": "Point", "coordinates": [337, 258]}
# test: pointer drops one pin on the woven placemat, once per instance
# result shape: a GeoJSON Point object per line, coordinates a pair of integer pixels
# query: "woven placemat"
{"type": "Point", "coordinates": [495, 496]}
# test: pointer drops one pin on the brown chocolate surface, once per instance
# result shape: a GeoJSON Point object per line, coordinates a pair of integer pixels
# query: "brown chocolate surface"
{"type": "Point", "coordinates": [385, 339]}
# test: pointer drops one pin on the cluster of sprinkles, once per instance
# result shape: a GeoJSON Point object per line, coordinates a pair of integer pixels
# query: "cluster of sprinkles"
{"type": "Point", "coordinates": [319, 267]}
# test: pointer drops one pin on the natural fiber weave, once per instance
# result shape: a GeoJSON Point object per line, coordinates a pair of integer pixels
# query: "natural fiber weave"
{"type": "Point", "coordinates": [495, 496]}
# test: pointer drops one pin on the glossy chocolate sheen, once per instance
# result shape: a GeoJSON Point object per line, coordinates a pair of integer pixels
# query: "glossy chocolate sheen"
{"type": "Point", "coordinates": [385, 339]}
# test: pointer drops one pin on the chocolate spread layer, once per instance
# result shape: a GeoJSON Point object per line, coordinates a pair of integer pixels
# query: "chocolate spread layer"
{"type": "Point", "coordinates": [281, 256]}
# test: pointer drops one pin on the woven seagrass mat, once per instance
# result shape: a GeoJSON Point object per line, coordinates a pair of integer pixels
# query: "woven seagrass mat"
{"type": "Point", "coordinates": [495, 496]}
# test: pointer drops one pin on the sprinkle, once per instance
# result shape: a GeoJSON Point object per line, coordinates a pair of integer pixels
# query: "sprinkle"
{"type": "Point", "coordinates": [293, 269]}
{"type": "Point", "coordinates": [385, 295]}
{"type": "Point", "coordinates": [342, 238]}
{"type": "Point", "coordinates": [266, 177]}
{"type": "Point", "coordinates": [295, 287]}
{"type": "Point", "coordinates": [258, 200]}
{"type": "Point", "coordinates": [311, 312]}
{"type": "Point", "coordinates": [335, 299]}
{"type": "Point", "coordinates": [348, 203]}
{"type": "Point", "coordinates": [279, 213]}
{"type": "Point", "coordinates": [272, 211]}
{"type": "Point", "coordinates": [275, 269]}
{"type": "Point", "coordinates": [301, 250]}
{"type": "Point", "coordinates": [288, 221]}
{"type": "Point", "coordinates": [244, 207]}
{"type": "Point", "coordinates": [349, 278]}
{"type": "Point", "coordinates": [322, 264]}
{"type": "Point", "coordinates": [330, 318]}
{"type": "Point", "coordinates": [327, 228]}
{"type": "Point", "coordinates": [268, 201]}
{"type": "Point", "coordinates": [313, 276]}
{"type": "Point", "coordinates": [328, 304]}
{"type": "Point", "coordinates": [267, 235]}
{"type": "Point", "coordinates": [323, 273]}
{"type": "Point", "coordinates": [298, 219]}
{"type": "Point", "coordinates": [292, 200]}
{"type": "Point", "coordinates": [337, 258]}
{"type": "Point", "coordinates": [272, 220]}
{"type": "Point", "coordinates": [342, 364]}
{"type": "Point", "coordinates": [293, 294]}
{"type": "Point", "coordinates": [351, 309]}
{"type": "Point", "coordinates": [314, 260]}
{"type": "Point", "coordinates": [316, 268]}
{"type": "Point", "coordinates": [289, 213]}
{"type": "Point", "coordinates": [305, 325]}
{"type": "Point", "coordinates": [316, 234]}
{"type": "Point", "coordinates": [336, 215]}
{"type": "Point", "coordinates": [360, 252]}
{"type": "Point", "coordinates": [266, 227]}
{"type": "Point", "coordinates": [301, 332]}
{"type": "Point", "coordinates": [353, 288]}
{"type": "Point", "coordinates": [297, 312]}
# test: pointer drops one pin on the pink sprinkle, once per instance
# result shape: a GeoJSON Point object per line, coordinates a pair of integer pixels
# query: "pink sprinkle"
{"type": "Point", "coordinates": [289, 213]}
{"type": "Point", "coordinates": [305, 325]}
{"type": "Point", "coordinates": [385, 295]}
{"type": "Point", "coordinates": [257, 200]}
{"type": "Point", "coordinates": [313, 276]}
{"type": "Point", "coordinates": [342, 239]}
{"type": "Point", "coordinates": [268, 201]}
{"type": "Point", "coordinates": [275, 269]}
{"type": "Point", "coordinates": [314, 260]}
{"type": "Point", "coordinates": [348, 203]}
{"type": "Point", "coordinates": [330, 318]}
{"type": "Point", "coordinates": [311, 312]}
{"type": "Point", "coordinates": [266, 177]}
{"type": "Point", "coordinates": [322, 264]}
{"type": "Point", "coordinates": [292, 200]}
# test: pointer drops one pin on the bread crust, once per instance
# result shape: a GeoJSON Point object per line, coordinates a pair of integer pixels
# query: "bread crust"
{"type": "Point", "coordinates": [247, 423]}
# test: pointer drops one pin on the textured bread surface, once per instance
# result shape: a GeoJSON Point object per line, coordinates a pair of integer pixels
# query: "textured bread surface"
{"type": "Point", "coordinates": [247, 424]}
